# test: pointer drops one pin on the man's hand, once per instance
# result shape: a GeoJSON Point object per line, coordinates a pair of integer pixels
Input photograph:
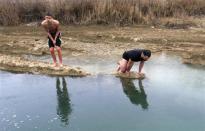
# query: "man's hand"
{"type": "Point", "coordinates": [140, 74]}
{"type": "Point", "coordinates": [54, 43]}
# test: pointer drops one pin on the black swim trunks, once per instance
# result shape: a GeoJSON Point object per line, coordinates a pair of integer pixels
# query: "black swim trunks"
{"type": "Point", "coordinates": [125, 56]}
{"type": "Point", "coordinates": [58, 40]}
{"type": "Point", "coordinates": [134, 55]}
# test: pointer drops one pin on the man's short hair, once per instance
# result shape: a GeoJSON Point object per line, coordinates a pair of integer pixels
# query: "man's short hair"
{"type": "Point", "coordinates": [49, 14]}
{"type": "Point", "coordinates": [147, 53]}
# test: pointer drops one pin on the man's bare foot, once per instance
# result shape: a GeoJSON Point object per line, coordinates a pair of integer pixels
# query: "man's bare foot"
{"type": "Point", "coordinates": [55, 64]}
{"type": "Point", "coordinates": [61, 65]}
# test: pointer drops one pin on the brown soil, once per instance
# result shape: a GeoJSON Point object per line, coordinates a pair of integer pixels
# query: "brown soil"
{"type": "Point", "coordinates": [105, 41]}
{"type": "Point", "coordinates": [19, 64]}
{"type": "Point", "coordinates": [130, 75]}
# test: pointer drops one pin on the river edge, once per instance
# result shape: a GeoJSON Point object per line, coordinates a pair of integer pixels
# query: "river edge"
{"type": "Point", "coordinates": [99, 41]}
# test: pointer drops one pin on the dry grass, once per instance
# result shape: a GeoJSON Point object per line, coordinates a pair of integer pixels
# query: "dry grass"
{"type": "Point", "coordinates": [121, 12]}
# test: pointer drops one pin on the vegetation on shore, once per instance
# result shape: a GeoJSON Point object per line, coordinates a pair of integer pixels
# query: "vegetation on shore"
{"type": "Point", "coordinates": [120, 12]}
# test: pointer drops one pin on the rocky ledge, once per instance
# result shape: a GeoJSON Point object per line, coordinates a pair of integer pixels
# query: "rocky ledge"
{"type": "Point", "coordinates": [130, 75]}
{"type": "Point", "coordinates": [22, 65]}
{"type": "Point", "coordinates": [194, 58]}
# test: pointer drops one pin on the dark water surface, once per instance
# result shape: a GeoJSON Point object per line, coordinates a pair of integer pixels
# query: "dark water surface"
{"type": "Point", "coordinates": [171, 98]}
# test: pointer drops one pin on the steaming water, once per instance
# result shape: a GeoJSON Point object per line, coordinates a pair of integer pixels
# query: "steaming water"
{"type": "Point", "coordinates": [171, 98]}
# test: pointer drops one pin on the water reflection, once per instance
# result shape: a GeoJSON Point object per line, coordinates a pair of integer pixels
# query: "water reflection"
{"type": "Point", "coordinates": [64, 105]}
{"type": "Point", "coordinates": [136, 96]}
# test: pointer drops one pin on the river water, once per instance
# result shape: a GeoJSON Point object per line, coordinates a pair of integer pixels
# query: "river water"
{"type": "Point", "coordinates": [170, 98]}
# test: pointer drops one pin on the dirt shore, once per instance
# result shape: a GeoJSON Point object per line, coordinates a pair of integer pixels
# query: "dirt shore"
{"type": "Point", "coordinates": [106, 41]}
{"type": "Point", "coordinates": [21, 65]}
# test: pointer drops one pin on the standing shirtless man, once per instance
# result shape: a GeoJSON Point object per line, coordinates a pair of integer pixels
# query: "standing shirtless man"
{"type": "Point", "coordinates": [52, 28]}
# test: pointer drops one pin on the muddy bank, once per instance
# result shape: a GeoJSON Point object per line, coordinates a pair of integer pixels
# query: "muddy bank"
{"type": "Point", "coordinates": [21, 65]}
{"type": "Point", "coordinates": [105, 41]}
{"type": "Point", "coordinates": [194, 58]}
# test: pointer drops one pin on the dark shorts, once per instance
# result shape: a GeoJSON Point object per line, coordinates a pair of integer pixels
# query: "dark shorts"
{"type": "Point", "coordinates": [125, 56]}
{"type": "Point", "coordinates": [58, 40]}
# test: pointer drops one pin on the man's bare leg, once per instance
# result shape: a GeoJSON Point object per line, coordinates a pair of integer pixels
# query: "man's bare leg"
{"type": "Point", "coordinates": [60, 55]}
{"type": "Point", "coordinates": [118, 66]}
{"type": "Point", "coordinates": [123, 65]}
{"type": "Point", "coordinates": [53, 56]}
